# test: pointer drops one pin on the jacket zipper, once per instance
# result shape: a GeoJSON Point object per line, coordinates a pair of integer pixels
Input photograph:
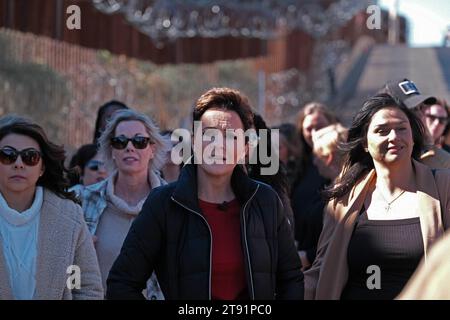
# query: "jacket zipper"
{"type": "Point", "coordinates": [210, 237]}
{"type": "Point", "coordinates": [210, 248]}
{"type": "Point", "coordinates": [246, 245]}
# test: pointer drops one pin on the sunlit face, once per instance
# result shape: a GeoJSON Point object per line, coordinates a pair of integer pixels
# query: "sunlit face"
{"type": "Point", "coordinates": [94, 171]}
{"type": "Point", "coordinates": [389, 136]}
{"type": "Point", "coordinates": [18, 177]}
{"type": "Point", "coordinates": [435, 120]}
{"type": "Point", "coordinates": [313, 122]}
{"type": "Point", "coordinates": [221, 120]}
{"type": "Point", "coordinates": [132, 160]}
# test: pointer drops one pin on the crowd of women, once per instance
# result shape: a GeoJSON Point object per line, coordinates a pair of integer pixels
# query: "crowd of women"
{"type": "Point", "coordinates": [136, 225]}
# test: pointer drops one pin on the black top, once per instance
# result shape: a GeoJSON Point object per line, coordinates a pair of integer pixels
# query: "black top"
{"type": "Point", "coordinates": [308, 205]}
{"type": "Point", "coordinates": [396, 246]}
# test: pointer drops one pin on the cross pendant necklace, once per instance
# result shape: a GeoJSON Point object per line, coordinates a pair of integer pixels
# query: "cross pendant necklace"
{"type": "Point", "coordinates": [389, 203]}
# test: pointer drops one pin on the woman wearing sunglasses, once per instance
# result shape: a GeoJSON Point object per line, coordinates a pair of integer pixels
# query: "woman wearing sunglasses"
{"type": "Point", "coordinates": [89, 168]}
{"type": "Point", "coordinates": [436, 119]}
{"type": "Point", "coordinates": [43, 237]}
{"type": "Point", "coordinates": [134, 151]}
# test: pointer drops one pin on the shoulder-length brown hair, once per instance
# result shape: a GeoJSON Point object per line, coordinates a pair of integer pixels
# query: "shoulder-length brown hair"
{"type": "Point", "coordinates": [53, 156]}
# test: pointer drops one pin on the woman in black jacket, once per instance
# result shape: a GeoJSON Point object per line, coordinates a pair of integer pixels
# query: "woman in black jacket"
{"type": "Point", "coordinates": [215, 233]}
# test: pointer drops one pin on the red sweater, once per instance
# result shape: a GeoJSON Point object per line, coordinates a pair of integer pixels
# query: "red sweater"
{"type": "Point", "coordinates": [228, 266]}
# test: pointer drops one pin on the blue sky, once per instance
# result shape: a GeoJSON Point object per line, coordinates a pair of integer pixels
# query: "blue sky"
{"type": "Point", "coordinates": [428, 20]}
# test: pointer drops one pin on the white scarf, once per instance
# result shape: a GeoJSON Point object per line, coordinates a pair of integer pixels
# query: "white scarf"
{"type": "Point", "coordinates": [19, 234]}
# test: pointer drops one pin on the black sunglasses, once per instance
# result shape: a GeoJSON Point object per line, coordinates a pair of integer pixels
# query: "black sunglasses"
{"type": "Point", "coordinates": [30, 156]}
{"type": "Point", "coordinates": [94, 165]}
{"type": "Point", "coordinates": [138, 142]}
{"type": "Point", "coordinates": [442, 120]}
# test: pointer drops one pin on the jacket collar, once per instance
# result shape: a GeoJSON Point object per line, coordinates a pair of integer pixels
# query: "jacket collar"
{"type": "Point", "coordinates": [428, 201]}
{"type": "Point", "coordinates": [186, 191]}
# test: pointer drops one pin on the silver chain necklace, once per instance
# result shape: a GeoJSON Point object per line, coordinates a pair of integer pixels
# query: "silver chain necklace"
{"type": "Point", "coordinates": [389, 203]}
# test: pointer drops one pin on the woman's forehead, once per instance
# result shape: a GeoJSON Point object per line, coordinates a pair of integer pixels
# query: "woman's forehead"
{"type": "Point", "coordinates": [19, 141]}
{"type": "Point", "coordinates": [388, 115]}
{"type": "Point", "coordinates": [216, 118]}
{"type": "Point", "coordinates": [130, 126]}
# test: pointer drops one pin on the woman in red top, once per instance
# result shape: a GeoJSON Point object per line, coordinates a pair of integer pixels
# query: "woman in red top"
{"type": "Point", "coordinates": [215, 233]}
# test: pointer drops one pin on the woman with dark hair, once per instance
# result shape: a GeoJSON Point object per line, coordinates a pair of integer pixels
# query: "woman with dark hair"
{"type": "Point", "coordinates": [170, 171]}
{"type": "Point", "coordinates": [88, 166]}
{"type": "Point", "coordinates": [385, 210]}
{"type": "Point", "coordinates": [42, 231]}
{"type": "Point", "coordinates": [215, 233]}
{"type": "Point", "coordinates": [104, 114]}
{"type": "Point", "coordinates": [277, 181]}
{"type": "Point", "coordinates": [290, 152]}
{"type": "Point", "coordinates": [306, 199]}
{"type": "Point", "coordinates": [436, 119]}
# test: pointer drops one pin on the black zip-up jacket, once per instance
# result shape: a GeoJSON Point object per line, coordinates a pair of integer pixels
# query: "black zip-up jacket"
{"type": "Point", "coordinates": [172, 237]}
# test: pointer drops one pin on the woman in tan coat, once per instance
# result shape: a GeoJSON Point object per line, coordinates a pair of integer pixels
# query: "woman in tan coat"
{"type": "Point", "coordinates": [46, 251]}
{"type": "Point", "coordinates": [384, 211]}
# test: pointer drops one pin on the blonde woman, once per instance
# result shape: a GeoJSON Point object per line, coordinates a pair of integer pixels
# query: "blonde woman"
{"type": "Point", "coordinates": [327, 157]}
{"type": "Point", "coordinates": [134, 151]}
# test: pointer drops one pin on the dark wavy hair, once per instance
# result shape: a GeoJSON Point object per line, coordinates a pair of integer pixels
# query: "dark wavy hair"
{"type": "Point", "coordinates": [79, 161]}
{"type": "Point", "coordinates": [357, 162]}
{"type": "Point", "coordinates": [101, 114]}
{"type": "Point", "coordinates": [53, 156]}
{"type": "Point", "coordinates": [277, 181]}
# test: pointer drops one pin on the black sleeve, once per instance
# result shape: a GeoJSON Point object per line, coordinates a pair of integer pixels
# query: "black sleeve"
{"type": "Point", "coordinates": [290, 284]}
{"type": "Point", "coordinates": [138, 256]}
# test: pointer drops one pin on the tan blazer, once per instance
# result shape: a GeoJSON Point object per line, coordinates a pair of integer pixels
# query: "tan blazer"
{"type": "Point", "coordinates": [63, 240]}
{"type": "Point", "coordinates": [329, 273]}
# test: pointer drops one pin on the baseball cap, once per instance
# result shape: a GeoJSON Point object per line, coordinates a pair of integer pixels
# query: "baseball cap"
{"type": "Point", "coordinates": [407, 92]}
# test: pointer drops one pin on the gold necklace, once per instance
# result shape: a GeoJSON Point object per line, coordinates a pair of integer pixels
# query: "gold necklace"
{"type": "Point", "coordinates": [388, 206]}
